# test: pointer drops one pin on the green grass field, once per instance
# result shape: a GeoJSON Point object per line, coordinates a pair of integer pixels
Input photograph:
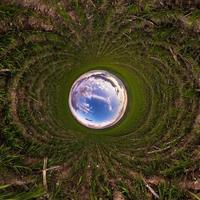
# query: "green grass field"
{"type": "Point", "coordinates": [152, 153]}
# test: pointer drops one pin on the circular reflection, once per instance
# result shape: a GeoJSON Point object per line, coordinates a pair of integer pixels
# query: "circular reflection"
{"type": "Point", "coordinates": [98, 99]}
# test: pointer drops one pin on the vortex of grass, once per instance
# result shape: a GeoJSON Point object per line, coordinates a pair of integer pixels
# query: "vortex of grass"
{"type": "Point", "coordinates": [153, 47]}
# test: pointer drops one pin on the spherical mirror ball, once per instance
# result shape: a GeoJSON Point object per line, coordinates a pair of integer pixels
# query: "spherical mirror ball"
{"type": "Point", "coordinates": [98, 99]}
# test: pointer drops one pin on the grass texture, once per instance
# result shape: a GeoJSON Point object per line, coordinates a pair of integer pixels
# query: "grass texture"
{"type": "Point", "coordinates": [152, 153]}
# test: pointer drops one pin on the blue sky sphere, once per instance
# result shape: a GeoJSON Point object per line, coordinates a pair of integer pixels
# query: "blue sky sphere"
{"type": "Point", "coordinates": [98, 99]}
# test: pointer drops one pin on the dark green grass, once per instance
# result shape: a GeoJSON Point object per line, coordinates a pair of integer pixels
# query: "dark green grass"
{"type": "Point", "coordinates": [150, 48]}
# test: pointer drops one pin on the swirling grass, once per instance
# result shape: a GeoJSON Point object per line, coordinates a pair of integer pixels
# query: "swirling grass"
{"type": "Point", "coordinates": [153, 151]}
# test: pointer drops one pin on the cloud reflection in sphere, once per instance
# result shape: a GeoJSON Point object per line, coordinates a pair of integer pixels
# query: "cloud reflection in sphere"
{"type": "Point", "coordinates": [98, 99]}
